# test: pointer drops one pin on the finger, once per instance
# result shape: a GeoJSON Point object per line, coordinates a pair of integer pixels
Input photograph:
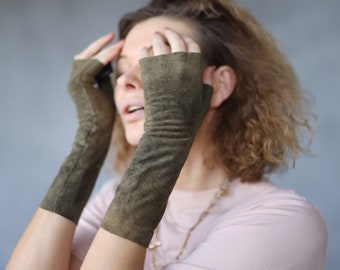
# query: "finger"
{"type": "Point", "coordinates": [159, 44]}
{"type": "Point", "coordinates": [110, 53]}
{"type": "Point", "coordinates": [175, 40]}
{"type": "Point", "coordinates": [192, 46]}
{"type": "Point", "coordinates": [95, 47]}
{"type": "Point", "coordinates": [208, 74]}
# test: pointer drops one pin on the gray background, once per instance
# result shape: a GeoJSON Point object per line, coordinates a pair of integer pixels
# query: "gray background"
{"type": "Point", "coordinates": [37, 41]}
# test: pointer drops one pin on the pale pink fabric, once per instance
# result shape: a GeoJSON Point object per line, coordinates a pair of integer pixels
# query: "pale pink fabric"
{"type": "Point", "coordinates": [255, 227]}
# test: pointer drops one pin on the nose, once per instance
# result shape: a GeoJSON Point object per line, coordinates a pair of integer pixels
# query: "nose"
{"type": "Point", "coordinates": [130, 80]}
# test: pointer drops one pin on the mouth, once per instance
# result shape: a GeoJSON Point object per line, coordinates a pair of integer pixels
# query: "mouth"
{"type": "Point", "coordinates": [132, 111]}
{"type": "Point", "coordinates": [133, 108]}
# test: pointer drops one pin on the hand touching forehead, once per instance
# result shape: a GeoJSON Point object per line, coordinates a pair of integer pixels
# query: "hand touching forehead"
{"type": "Point", "coordinates": [142, 35]}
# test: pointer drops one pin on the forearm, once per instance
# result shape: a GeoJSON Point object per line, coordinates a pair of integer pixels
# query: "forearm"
{"type": "Point", "coordinates": [47, 241]}
{"type": "Point", "coordinates": [45, 244]}
{"type": "Point", "coordinates": [109, 251]}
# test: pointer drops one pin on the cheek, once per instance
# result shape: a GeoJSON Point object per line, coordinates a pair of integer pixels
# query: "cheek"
{"type": "Point", "coordinates": [116, 94]}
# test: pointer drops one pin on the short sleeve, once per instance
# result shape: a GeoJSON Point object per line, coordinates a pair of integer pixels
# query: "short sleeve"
{"type": "Point", "coordinates": [91, 219]}
{"type": "Point", "coordinates": [280, 233]}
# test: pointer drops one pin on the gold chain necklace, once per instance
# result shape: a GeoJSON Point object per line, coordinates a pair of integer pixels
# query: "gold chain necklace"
{"type": "Point", "coordinates": [220, 193]}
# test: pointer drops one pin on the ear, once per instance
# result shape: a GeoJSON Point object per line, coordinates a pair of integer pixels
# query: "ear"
{"type": "Point", "coordinates": [223, 82]}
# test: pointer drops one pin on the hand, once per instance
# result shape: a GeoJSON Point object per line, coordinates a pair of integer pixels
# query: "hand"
{"type": "Point", "coordinates": [87, 66]}
{"type": "Point", "coordinates": [97, 51]}
{"type": "Point", "coordinates": [171, 42]}
{"type": "Point", "coordinates": [178, 56]}
{"type": "Point", "coordinates": [105, 56]}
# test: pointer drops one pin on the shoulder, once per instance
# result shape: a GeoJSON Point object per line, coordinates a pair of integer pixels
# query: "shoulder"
{"type": "Point", "coordinates": [264, 203]}
{"type": "Point", "coordinates": [273, 222]}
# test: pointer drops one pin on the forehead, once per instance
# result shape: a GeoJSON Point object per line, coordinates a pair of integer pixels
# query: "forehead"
{"type": "Point", "coordinates": [141, 34]}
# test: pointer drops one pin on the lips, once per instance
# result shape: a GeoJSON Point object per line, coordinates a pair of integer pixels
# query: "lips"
{"type": "Point", "coordinates": [132, 110]}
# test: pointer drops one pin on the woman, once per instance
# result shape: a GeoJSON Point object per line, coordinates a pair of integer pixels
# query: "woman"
{"type": "Point", "coordinates": [207, 107]}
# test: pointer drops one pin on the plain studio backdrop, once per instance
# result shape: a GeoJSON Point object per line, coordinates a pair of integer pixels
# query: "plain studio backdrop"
{"type": "Point", "coordinates": [38, 39]}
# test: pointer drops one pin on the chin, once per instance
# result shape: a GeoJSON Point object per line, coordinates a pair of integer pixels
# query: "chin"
{"type": "Point", "coordinates": [133, 136]}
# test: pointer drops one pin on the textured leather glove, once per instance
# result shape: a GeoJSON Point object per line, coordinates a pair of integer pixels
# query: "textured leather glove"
{"type": "Point", "coordinates": [72, 186]}
{"type": "Point", "coordinates": [176, 102]}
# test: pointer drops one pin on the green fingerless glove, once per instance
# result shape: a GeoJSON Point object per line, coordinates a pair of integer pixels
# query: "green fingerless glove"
{"type": "Point", "coordinates": [176, 102]}
{"type": "Point", "coordinates": [72, 186]}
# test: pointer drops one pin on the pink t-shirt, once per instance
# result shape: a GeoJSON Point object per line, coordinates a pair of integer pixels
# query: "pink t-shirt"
{"type": "Point", "coordinates": [256, 226]}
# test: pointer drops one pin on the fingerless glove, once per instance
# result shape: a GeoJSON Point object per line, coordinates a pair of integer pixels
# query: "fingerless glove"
{"type": "Point", "coordinates": [176, 102]}
{"type": "Point", "coordinates": [72, 186]}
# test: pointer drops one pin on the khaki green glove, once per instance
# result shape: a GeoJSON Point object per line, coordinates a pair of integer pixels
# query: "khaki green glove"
{"type": "Point", "coordinates": [72, 186]}
{"type": "Point", "coordinates": [176, 102]}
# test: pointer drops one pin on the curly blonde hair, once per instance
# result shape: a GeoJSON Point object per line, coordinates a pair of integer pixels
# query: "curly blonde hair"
{"type": "Point", "coordinates": [260, 126]}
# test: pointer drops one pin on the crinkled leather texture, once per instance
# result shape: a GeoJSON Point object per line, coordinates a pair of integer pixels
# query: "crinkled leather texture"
{"type": "Point", "coordinates": [72, 186]}
{"type": "Point", "coordinates": [176, 102]}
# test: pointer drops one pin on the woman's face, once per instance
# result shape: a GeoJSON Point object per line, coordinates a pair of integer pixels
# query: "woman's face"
{"type": "Point", "coordinates": [128, 94]}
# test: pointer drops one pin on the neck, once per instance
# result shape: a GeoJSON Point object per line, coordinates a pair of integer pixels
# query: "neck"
{"type": "Point", "coordinates": [196, 174]}
{"type": "Point", "coordinates": [195, 177]}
